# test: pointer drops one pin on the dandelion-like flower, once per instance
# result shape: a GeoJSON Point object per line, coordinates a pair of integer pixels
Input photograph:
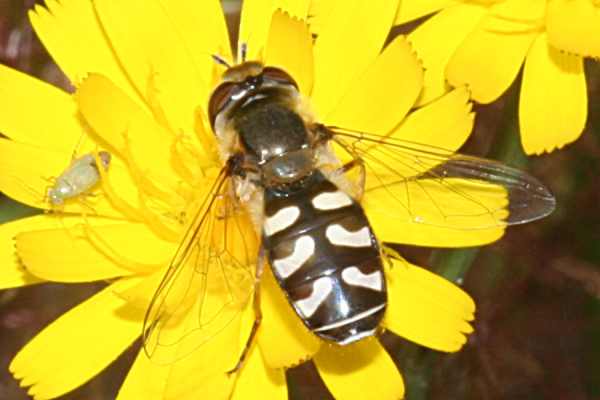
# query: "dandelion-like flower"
{"type": "Point", "coordinates": [143, 73]}
{"type": "Point", "coordinates": [484, 44]}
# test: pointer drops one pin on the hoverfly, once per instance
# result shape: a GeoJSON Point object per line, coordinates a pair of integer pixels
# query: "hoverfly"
{"type": "Point", "coordinates": [293, 176]}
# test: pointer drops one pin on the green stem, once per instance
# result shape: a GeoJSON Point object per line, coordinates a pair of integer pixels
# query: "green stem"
{"type": "Point", "coordinates": [507, 146]}
{"type": "Point", "coordinates": [11, 210]}
{"type": "Point", "coordinates": [454, 264]}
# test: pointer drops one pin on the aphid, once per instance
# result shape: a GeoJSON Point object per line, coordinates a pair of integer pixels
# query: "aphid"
{"type": "Point", "coordinates": [306, 206]}
{"type": "Point", "coordinates": [78, 178]}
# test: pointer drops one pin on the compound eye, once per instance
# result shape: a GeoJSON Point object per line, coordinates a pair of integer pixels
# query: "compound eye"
{"type": "Point", "coordinates": [219, 99]}
{"type": "Point", "coordinates": [278, 75]}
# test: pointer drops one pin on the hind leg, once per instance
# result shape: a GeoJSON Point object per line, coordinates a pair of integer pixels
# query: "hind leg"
{"type": "Point", "coordinates": [260, 265]}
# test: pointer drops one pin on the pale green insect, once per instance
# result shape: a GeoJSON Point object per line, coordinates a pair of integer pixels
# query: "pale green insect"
{"type": "Point", "coordinates": [79, 177]}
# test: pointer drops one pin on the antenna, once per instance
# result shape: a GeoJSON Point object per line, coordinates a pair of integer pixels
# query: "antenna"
{"type": "Point", "coordinates": [243, 51]}
{"type": "Point", "coordinates": [220, 60]}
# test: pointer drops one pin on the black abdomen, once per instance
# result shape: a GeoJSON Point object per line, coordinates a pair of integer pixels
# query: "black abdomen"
{"type": "Point", "coordinates": [326, 259]}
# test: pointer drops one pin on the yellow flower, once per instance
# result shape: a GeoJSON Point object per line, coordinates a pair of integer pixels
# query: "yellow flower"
{"type": "Point", "coordinates": [484, 44]}
{"type": "Point", "coordinates": [144, 72]}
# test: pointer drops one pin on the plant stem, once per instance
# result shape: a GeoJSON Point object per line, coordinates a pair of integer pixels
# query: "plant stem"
{"type": "Point", "coordinates": [454, 264]}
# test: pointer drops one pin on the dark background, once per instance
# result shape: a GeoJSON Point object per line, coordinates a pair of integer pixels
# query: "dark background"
{"type": "Point", "coordinates": [537, 332]}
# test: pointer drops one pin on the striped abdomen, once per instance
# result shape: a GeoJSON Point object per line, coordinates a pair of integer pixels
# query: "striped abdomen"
{"type": "Point", "coordinates": [326, 259]}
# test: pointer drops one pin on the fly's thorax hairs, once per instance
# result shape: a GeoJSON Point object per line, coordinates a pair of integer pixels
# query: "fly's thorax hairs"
{"type": "Point", "coordinates": [251, 197]}
{"type": "Point", "coordinates": [239, 72]}
{"type": "Point", "coordinates": [302, 106]}
{"type": "Point", "coordinates": [227, 140]}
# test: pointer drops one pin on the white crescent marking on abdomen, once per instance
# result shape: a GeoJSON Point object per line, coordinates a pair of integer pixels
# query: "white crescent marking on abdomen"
{"type": "Point", "coordinates": [331, 200]}
{"type": "Point", "coordinates": [303, 249]}
{"type": "Point", "coordinates": [353, 276]}
{"type": "Point", "coordinates": [321, 289]}
{"type": "Point", "coordinates": [339, 236]}
{"type": "Point", "coordinates": [282, 219]}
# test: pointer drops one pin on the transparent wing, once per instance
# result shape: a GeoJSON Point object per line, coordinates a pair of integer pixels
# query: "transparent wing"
{"type": "Point", "coordinates": [209, 280]}
{"type": "Point", "coordinates": [433, 186]}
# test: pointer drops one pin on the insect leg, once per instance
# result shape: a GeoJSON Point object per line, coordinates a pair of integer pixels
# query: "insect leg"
{"type": "Point", "coordinates": [78, 146]}
{"type": "Point", "coordinates": [357, 162]}
{"type": "Point", "coordinates": [356, 182]}
{"type": "Point", "coordinates": [260, 266]}
{"type": "Point", "coordinates": [388, 254]}
{"type": "Point", "coordinates": [243, 51]}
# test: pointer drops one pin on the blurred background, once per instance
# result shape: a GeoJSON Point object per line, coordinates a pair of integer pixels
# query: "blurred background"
{"type": "Point", "coordinates": [537, 333]}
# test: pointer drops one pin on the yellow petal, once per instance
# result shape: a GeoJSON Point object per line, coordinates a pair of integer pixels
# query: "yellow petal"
{"type": "Point", "coordinates": [283, 339]}
{"type": "Point", "coordinates": [296, 8]}
{"type": "Point", "coordinates": [359, 371]}
{"type": "Point", "coordinates": [553, 103]}
{"type": "Point", "coordinates": [92, 249]}
{"type": "Point", "coordinates": [490, 58]}
{"type": "Point", "coordinates": [126, 129]}
{"type": "Point", "coordinates": [455, 213]}
{"type": "Point", "coordinates": [348, 43]}
{"type": "Point", "coordinates": [152, 51]}
{"type": "Point", "coordinates": [410, 10]}
{"type": "Point", "coordinates": [77, 346]}
{"type": "Point", "coordinates": [254, 29]}
{"type": "Point", "coordinates": [185, 366]}
{"type": "Point", "coordinates": [178, 381]}
{"type": "Point", "coordinates": [12, 273]}
{"type": "Point", "coordinates": [574, 26]}
{"type": "Point", "coordinates": [319, 12]}
{"type": "Point", "coordinates": [427, 309]}
{"type": "Point", "coordinates": [382, 96]}
{"type": "Point", "coordinates": [445, 123]}
{"type": "Point", "coordinates": [211, 386]}
{"type": "Point", "coordinates": [289, 46]}
{"type": "Point", "coordinates": [256, 378]}
{"type": "Point", "coordinates": [28, 182]}
{"type": "Point", "coordinates": [202, 371]}
{"type": "Point", "coordinates": [145, 380]}
{"type": "Point", "coordinates": [55, 125]}
{"type": "Point", "coordinates": [218, 288]}
{"type": "Point", "coordinates": [431, 236]}
{"type": "Point", "coordinates": [140, 289]}
{"type": "Point", "coordinates": [75, 38]}
{"type": "Point", "coordinates": [201, 28]}
{"type": "Point", "coordinates": [437, 39]}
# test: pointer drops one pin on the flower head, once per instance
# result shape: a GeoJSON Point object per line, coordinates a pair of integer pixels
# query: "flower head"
{"type": "Point", "coordinates": [484, 44]}
{"type": "Point", "coordinates": [144, 72]}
